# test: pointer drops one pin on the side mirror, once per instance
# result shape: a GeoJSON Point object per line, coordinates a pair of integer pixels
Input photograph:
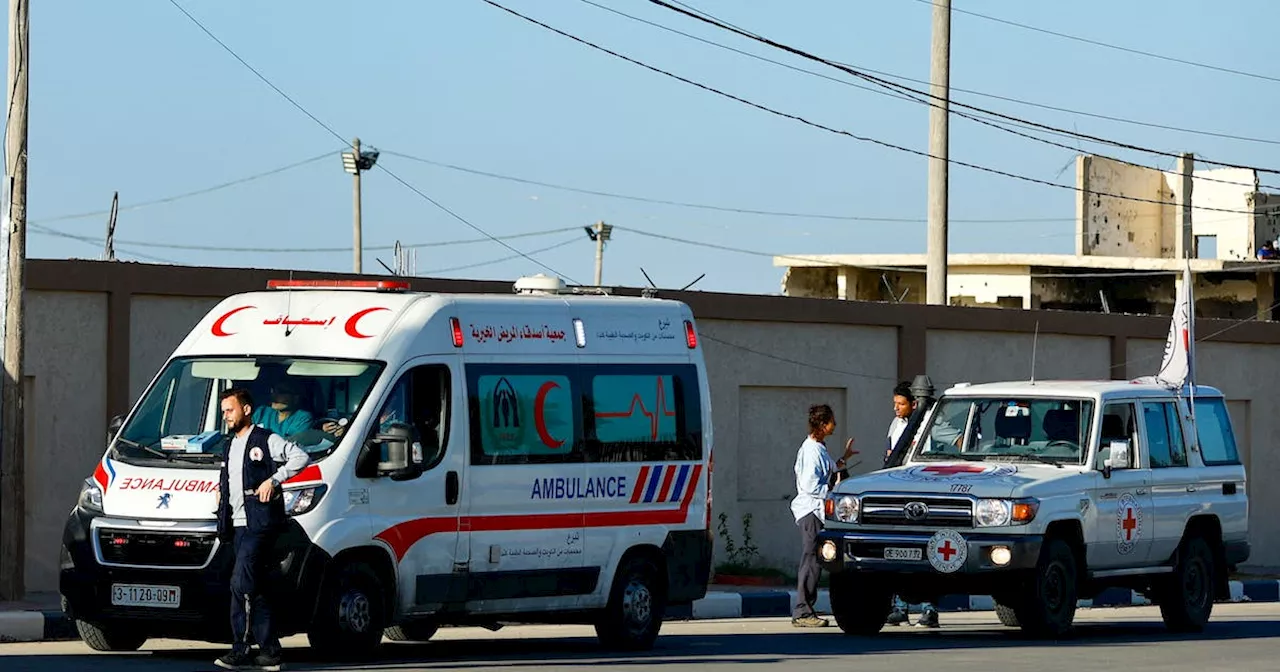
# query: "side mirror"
{"type": "Point", "coordinates": [397, 456]}
{"type": "Point", "coordinates": [1117, 459]}
{"type": "Point", "coordinates": [113, 427]}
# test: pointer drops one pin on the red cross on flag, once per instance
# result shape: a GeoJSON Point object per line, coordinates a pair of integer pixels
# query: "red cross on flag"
{"type": "Point", "coordinates": [1178, 367]}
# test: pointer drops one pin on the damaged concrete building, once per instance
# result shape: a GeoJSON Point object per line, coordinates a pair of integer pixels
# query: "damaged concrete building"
{"type": "Point", "coordinates": [1130, 241]}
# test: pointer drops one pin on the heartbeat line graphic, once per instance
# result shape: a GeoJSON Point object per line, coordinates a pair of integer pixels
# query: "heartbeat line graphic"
{"type": "Point", "coordinates": [654, 416]}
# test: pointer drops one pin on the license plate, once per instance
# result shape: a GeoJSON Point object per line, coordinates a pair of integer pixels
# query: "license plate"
{"type": "Point", "coordinates": [135, 595]}
{"type": "Point", "coordinates": [903, 554]}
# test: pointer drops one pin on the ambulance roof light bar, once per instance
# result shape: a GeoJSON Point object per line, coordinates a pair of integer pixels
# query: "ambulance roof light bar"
{"type": "Point", "coordinates": [377, 285]}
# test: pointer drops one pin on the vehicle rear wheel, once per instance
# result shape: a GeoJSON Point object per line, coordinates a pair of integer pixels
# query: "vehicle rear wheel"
{"type": "Point", "coordinates": [101, 637]}
{"type": "Point", "coordinates": [1186, 598]}
{"type": "Point", "coordinates": [350, 620]}
{"type": "Point", "coordinates": [859, 605]}
{"type": "Point", "coordinates": [637, 605]}
{"type": "Point", "coordinates": [413, 631]}
{"type": "Point", "coordinates": [1047, 607]}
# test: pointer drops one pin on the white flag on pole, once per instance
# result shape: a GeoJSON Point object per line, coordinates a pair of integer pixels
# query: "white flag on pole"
{"type": "Point", "coordinates": [1178, 368]}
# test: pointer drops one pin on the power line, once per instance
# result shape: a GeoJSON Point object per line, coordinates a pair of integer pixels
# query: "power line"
{"type": "Point", "coordinates": [568, 241]}
{"type": "Point", "coordinates": [836, 131]}
{"type": "Point", "coordinates": [704, 206]}
{"type": "Point", "coordinates": [1108, 45]}
{"type": "Point", "coordinates": [49, 231]}
{"type": "Point", "coordinates": [703, 18]}
{"type": "Point", "coordinates": [335, 134]}
{"type": "Point", "coordinates": [893, 90]}
{"type": "Point", "coordinates": [189, 194]}
{"type": "Point", "coordinates": [908, 269]}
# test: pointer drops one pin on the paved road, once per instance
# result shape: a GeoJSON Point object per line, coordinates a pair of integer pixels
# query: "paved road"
{"type": "Point", "coordinates": [1242, 637]}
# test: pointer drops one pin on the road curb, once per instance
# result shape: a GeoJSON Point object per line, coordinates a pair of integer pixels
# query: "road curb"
{"type": "Point", "coordinates": [36, 626]}
{"type": "Point", "coordinates": [776, 603]}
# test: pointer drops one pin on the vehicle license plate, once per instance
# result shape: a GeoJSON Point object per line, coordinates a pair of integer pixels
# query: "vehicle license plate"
{"type": "Point", "coordinates": [135, 595]}
{"type": "Point", "coordinates": [903, 554]}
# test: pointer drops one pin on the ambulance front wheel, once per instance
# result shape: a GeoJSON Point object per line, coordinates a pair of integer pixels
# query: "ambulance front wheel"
{"type": "Point", "coordinates": [413, 631]}
{"type": "Point", "coordinates": [352, 614]}
{"type": "Point", "coordinates": [637, 605]}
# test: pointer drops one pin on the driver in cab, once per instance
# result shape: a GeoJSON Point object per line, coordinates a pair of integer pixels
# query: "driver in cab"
{"type": "Point", "coordinates": [283, 416]}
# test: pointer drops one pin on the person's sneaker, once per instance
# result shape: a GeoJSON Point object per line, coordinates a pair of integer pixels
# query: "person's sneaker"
{"type": "Point", "coordinates": [928, 618]}
{"type": "Point", "coordinates": [809, 622]}
{"type": "Point", "coordinates": [268, 660]}
{"type": "Point", "coordinates": [897, 617]}
{"type": "Point", "coordinates": [237, 659]}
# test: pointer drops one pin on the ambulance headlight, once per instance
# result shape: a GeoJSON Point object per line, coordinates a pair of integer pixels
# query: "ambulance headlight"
{"type": "Point", "coordinates": [90, 496]}
{"type": "Point", "coordinates": [302, 500]}
{"type": "Point", "coordinates": [992, 512]}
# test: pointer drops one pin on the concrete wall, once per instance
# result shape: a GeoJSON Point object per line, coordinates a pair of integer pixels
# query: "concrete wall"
{"type": "Point", "coordinates": [97, 332]}
{"type": "Point", "coordinates": [1222, 189]}
{"type": "Point", "coordinates": [1118, 227]}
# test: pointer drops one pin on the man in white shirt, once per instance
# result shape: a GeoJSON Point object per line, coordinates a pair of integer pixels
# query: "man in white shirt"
{"type": "Point", "coordinates": [814, 470]}
{"type": "Point", "coordinates": [904, 402]}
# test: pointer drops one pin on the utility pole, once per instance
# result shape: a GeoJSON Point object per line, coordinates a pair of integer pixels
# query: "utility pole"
{"type": "Point", "coordinates": [12, 453]}
{"type": "Point", "coordinates": [939, 116]}
{"type": "Point", "coordinates": [1186, 247]}
{"type": "Point", "coordinates": [600, 233]}
{"type": "Point", "coordinates": [355, 162]}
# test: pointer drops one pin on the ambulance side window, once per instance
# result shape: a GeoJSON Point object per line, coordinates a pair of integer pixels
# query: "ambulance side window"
{"type": "Point", "coordinates": [524, 414]}
{"type": "Point", "coordinates": [420, 400]}
{"type": "Point", "coordinates": [642, 413]}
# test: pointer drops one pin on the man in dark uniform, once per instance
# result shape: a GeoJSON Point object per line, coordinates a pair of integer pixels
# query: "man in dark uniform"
{"type": "Point", "coordinates": [250, 516]}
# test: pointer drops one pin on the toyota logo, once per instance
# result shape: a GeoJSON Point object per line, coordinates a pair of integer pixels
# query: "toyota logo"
{"type": "Point", "coordinates": [916, 510]}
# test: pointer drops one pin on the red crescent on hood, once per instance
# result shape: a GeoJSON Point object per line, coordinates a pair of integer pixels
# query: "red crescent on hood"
{"type": "Point", "coordinates": [218, 329]}
{"type": "Point", "coordinates": [355, 319]}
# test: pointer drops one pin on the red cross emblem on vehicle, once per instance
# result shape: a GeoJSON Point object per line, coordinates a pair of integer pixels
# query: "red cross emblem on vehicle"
{"type": "Point", "coordinates": [1129, 523]}
{"type": "Point", "coordinates": [946, 550]}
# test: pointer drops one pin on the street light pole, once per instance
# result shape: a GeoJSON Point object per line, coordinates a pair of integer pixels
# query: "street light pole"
{"type": "Point", "coordinates": [358, 244]}
{"type": "Point", "coordinates": [355, 162]}
{"type": "Point", "coordinates": [599, 233]}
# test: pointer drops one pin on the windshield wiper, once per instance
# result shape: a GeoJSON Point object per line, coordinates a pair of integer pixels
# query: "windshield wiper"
{"type": "Point", "coordinates": [139, 446]}
{"type": "Point", "coordinates": [1036, 458]}
{"type": "Point", "coordinates": [939, 456]}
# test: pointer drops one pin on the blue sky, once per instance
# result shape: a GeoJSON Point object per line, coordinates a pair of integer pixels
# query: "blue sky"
{"type": "Point", "coordinates": [133, 97]}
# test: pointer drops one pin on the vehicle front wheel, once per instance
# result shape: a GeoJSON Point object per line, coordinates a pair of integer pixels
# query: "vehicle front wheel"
{"type": "Point", "coordinates": [413, 631]}
{"type": "Point", "coordinates": [350, 620]}
{"type": "Point", "coordinates": [1186, 598]}
{"type": "Point", "coordinates": [637, 605]}
{"type": "Point", "coordinates": [1047, 607]}
{"type": "Point", "coordinates": [859, 603]}
{"type": "Point", "coordinates": [101, 637]}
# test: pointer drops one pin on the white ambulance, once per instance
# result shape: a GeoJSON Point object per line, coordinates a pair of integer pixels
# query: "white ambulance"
{"type": "Point", "coordinates": [475, 460]}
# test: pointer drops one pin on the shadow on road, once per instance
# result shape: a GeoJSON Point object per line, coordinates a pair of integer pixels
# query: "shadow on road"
{"type": "Point", "coordinates": [673, 649]}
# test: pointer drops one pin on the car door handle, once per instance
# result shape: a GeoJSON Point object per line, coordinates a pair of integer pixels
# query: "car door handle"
{"type": "Point", "coordinates": [451, 488]}
{"type": "Point", "coordinates": [1142, 491]}
{"type": "Point", "coordinates": [1191, 488]}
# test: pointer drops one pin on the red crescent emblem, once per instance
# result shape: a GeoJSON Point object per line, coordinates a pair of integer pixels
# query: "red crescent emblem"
{"type": "Point", "coordinates": [218, 328]}
{"type": "Point", "coordinates": [539, 416]}
{"type": "Point", "coordinates": [355, 319]}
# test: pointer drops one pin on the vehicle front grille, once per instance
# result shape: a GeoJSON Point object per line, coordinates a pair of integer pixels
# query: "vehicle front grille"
{"type": "Point", "coordinates": [155, 549]}
{"type": "Point", "coordinates": [893, 510]}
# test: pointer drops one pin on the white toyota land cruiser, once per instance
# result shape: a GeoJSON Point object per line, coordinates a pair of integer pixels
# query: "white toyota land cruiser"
{"type": "Point", "coordinates": [1040, 494]}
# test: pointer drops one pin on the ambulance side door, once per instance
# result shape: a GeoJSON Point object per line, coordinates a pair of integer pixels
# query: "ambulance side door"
{"type": "Point", "coordinates": [417, 512]}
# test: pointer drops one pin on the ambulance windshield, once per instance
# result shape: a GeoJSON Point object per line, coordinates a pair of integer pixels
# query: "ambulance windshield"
{"type": "Point", "coordinates": [308, 401]}
{"type": "Point", "coordinates": [1014, 429]}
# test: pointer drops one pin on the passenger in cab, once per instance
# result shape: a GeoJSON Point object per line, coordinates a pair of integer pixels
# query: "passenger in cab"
{"type": "Point", "coordinates": [283, 416]}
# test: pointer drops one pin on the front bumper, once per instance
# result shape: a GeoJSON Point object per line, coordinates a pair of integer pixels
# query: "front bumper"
{"type": "Point", "coordinates": [865, 551]}
{"type": "Point", "coordinates": [203, 612]}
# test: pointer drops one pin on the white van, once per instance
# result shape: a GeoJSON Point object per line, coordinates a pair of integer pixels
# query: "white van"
{"type": "Point", "coordinates": [475, 460]}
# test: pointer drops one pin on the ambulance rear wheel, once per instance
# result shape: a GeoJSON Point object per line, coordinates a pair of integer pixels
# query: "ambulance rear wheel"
{"type": "Point", "coordinates": [352, 614]}
{"type": "Point", "coordinates": [637, 605]}
{"type": "Point", "coordinates": [1186, 598]}
{"type": "Point", "coordinates": [859, 603]}
{"type": "Point", "coordinates": [109, 637]}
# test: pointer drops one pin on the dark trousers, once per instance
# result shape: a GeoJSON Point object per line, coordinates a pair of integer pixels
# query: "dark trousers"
{"type": "Point", "coordinates": [248, 589]}
{"type": "Point", "coordinates": [810, 570]}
